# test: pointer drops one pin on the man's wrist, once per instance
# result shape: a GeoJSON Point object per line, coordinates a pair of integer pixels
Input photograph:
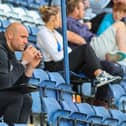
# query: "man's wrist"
{"type": "Point", "coordinates": [29, 71]}
{"type": "Point", "coordinates": [24, 63]}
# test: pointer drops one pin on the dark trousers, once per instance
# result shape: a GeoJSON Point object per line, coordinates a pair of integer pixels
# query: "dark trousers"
{"type": "Point", "coordinates": [81, 59]}
{"type": "Point", "coordinates": [15, 107]}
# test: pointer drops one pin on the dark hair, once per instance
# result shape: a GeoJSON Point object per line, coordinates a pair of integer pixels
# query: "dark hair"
{"type": "Point", "coordinates": [47, 11]}
{"type": "Point", "coordinates": [72, 4]}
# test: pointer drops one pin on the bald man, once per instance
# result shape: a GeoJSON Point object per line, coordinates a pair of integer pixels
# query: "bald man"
{"type": "Point", "coordinates": [15, 106]}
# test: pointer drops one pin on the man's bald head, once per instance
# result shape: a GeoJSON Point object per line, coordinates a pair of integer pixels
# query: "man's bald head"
{"type": "Point", "coordinates": [16, 36]}
{"type": "Point", "coordinates": [15, 28]}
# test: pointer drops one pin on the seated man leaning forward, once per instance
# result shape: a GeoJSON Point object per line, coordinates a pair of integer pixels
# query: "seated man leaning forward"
{"type": "Point", "coordinates": [15, 107]}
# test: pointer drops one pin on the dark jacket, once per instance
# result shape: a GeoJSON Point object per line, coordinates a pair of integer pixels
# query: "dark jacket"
{"type": "Point", "coordinates": [11, 70]}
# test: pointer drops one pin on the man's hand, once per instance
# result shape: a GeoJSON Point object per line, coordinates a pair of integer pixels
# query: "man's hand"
{"type": "Point", "coordinates": [32, 58]}
{"type": "Point", "coordinates": [29, 54]}
{"type": "Point", "coordinates": [89, 24]}
{"type": "Point", "coordinates": [36, 60]}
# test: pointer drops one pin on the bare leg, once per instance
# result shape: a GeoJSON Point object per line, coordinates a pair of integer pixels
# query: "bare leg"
{"type": "Point", "coordinates": [121, 35]}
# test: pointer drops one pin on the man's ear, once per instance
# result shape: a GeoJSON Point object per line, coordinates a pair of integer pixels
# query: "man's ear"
{"type": "Point", "coordinates": [10, 35]}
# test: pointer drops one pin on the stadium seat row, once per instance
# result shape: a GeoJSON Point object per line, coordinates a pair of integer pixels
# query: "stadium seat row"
{"type": "Point", "coordinates": [30, 4]}
{"type": "Point", "coordinates": [56, 101]}
{"type": "Point", "coordinates": [11, 13]}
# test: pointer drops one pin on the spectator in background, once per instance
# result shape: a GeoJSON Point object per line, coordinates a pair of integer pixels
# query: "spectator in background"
{"type": "Point", "coordinates": [112, 41]}
{"type": "Point", "coordinates": [118, 13]}
{"type": "Point", "coordinates": [73, 37]}
{"type": "Point", "coordinates": [81, 58]}
{"type": "Point", "coordinates": [14, 105]}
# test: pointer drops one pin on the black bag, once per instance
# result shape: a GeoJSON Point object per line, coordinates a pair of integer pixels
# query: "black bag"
{"type": "Point", "coordinates": [114, 69]}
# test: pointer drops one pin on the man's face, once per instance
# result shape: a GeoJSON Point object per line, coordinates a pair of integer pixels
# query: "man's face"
{"type": "Point", "coordinates": [81, 10]}
{"type": "Point", "coordinates": [19, 39]}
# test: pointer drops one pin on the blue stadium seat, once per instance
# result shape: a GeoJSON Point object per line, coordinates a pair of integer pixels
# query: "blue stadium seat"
{"type": "Point", "coordinates": [122, 103]}
{"type": "Point", "coordinates": [123, 84]}
{"type": "Point", "coordinates": [3, 124]}
{"type": "Point", "coordinates": [107, 119]}
{"type": "Point", "coordinates": [57, 77]}
{"type": "Point", "coordinates": [65, 94]}
{"type": "Point", "coordinates": [37, 97]}
{"type": "Point", "coordinates": [4, 24]}
{"type": "Point", "coordinates": [36, 106]}
{"type": "Point", "coordinates": [34, 4]}
{"type": "Point", "coordinates": [36, 18]}
{"type": "Point", "coordinates": [22, 3]}
{"type": "Point", "coordinates": [82, 84]}
{"type": "Point", "coordinates": [39, 76]}
{"type": "Point", "coordinates": [91, 115]}
{"type": "Point", "coordinates": [120, 116]}
{"type": "Point", "coordinates": [32, 35]}
{"type": "Point", "coordinates": [56, 116]}
{"type": "Point", "coordinates": [8, 1]}
{"type": "Point", "coordinates": [34, 30]}
{"type": "Point", "coordinates": [23, 16]}
{"type": "Point", "coordinates": [119, 95]}
{"type": "Point", "coordinates": [64, 87]}
{"type": "Point", "coordinates": [5, 10]}
{"type": "Point", "coordinates": [47, 89]}
{"type": "Point", "coordinates": [7, 13]}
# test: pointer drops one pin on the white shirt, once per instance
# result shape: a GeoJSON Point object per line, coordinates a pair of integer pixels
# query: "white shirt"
{"type": "Point", "coordinates": [47, 41]}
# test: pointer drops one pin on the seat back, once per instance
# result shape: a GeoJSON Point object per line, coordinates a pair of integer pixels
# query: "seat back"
{"type": "Point", "coordinates": [120, 116]}
{"type": "Point", "coordinates": [91, 115]}
{"type": "Point", "coordinates": [103, 112]}
{"type": "Point", "coordinates": [122, 103]}
{"type": "Point", "coordinates": [65, 98]}
{"type": "Point", "coordinates": [65, 95]}
{"type": "Point", "coordinates": [39, 76]}
{"type": "Point", "coordinates": [47, 89]}
{"type": "Point", "coordinates": [36, 105]}
{"type": "Point", "coordinates": [117, 92]}
{"type": "Point", "coordinates": [123, 83]}
{"type": "Point", "coordinates": [57, 77]}
{"type": "Point", "coordinates": [56, 116]}
{"type": "Point", "coordinates": [3, 124]}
